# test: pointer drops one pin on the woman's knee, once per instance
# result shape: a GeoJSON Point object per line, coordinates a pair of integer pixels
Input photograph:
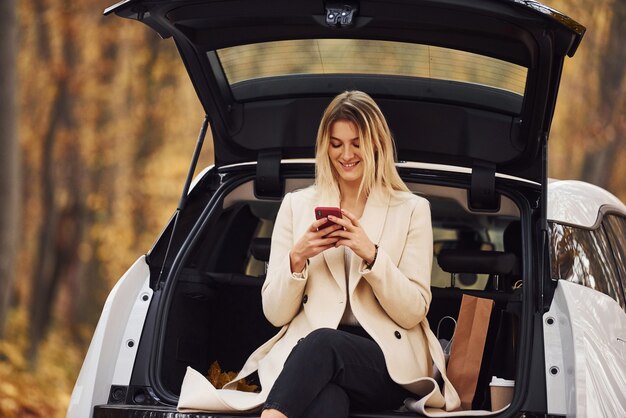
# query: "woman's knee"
{"type": "Point", "coordinates": [322, 334]}
{"type": "Point", "coordinates": [320, 339]}
{"type": "Point", "coordinates": [320, 344]}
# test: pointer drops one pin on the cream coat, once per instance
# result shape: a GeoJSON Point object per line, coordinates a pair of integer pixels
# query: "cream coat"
{"type": "Point", "coordinates": [390, 301]}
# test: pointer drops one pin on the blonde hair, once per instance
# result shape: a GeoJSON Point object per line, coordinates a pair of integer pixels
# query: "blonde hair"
{"type": "Point", "coordinates": [376, 143]}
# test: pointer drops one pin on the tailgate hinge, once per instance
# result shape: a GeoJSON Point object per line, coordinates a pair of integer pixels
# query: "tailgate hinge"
{"type": "Point", "coordinates": [267, 183]}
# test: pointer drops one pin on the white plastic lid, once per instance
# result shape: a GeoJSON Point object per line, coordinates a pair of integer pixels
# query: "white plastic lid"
{"type": "Point", "coordinates": [497, 381]}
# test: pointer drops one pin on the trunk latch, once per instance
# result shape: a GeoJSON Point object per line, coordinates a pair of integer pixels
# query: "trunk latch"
{"type": "Point", "coordinates": [341, 14]}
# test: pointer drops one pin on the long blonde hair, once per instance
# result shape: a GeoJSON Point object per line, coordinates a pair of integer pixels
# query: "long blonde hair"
{"type": "Point", "coordinates": [376, 143]}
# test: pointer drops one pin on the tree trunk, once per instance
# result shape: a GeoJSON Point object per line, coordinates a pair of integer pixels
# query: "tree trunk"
{"type": "Point", "coordinates": [599, 166]}
{"type": "Point", "coordinates": [45, 260]}
{"type": "Point", "coordinates": [86, 282]}
{"type": "Point", "coordinates": [9, 156]}
{"type": "Point", "coordinates": [150, 136]}
{"type": "Point", "coordinates": [57, 237]}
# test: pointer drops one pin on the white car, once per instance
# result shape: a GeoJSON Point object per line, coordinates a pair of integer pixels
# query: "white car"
{"type": "Point", "coordinates": [585, 327]}
{"type": "Point", "coordinates": [469, 89]}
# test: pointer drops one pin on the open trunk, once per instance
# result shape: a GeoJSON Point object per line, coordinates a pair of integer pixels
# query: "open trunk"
{"type": "Point", "coordinates": [210, 308]}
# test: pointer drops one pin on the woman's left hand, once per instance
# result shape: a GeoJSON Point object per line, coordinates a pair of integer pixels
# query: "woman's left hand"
{"type": "Point", "coordinates": [353, 236]}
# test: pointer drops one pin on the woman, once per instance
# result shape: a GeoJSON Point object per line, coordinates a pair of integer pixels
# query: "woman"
{"type": "Point", "coordinates": [351, 298]}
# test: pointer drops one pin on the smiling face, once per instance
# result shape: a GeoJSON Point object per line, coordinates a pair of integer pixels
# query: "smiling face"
{"type": "Point", "coordinates": [354, 150]}
{"type": "Point", "coordinates": [344, 153]}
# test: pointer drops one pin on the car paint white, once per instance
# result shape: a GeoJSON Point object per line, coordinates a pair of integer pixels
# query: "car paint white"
{"type": "Point", "coordinates": [575, 202]}
{"type": "Point", "coordinates": [120, 318]}
{"type": "Point", "coordinates": [132, 336]}
{"type": "Point", "coordinates": [585, 351]}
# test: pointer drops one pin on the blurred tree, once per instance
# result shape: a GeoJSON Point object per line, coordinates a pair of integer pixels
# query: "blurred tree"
{"type": "Point", "coordinates": [9, 157]}
{"type": "Point", "coordinates": [588, 138]}
{"type": "Point", "coordinates": [101, 96]}
{"type": "Point", "coordinates": [61, 229]}
{"type": "Point", "coordinates": [149, 137]}
{"type": "Point", "coordinates": [610, 124]}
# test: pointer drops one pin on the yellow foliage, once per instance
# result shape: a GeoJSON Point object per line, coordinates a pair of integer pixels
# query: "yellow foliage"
{"type": "Point", "coordinates": [45, 391]}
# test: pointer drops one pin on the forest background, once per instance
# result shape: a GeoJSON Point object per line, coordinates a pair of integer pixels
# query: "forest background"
{"type": "Point", "coordinates": [98, 121]}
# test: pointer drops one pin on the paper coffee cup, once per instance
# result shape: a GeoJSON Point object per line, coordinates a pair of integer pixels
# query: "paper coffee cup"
{"type": "Point", "coordinates": [501, 392]}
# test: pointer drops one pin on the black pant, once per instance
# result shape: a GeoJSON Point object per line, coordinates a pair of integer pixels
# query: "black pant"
{"type": "Point", "coordinates": [331, 371]}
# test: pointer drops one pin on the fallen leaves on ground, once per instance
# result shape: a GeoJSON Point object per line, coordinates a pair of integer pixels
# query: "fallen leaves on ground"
{"type": "Point", "coordinates": [45, 390]}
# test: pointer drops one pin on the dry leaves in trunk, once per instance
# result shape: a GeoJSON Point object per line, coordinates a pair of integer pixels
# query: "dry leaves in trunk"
{"type": "Point", "coordinates": [219, 378]}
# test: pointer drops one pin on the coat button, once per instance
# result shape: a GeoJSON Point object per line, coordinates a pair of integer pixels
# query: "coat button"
{"type": "Point", "coordinates": [397, 334]}
{"type": "Point", "coordinates": [305, 298]}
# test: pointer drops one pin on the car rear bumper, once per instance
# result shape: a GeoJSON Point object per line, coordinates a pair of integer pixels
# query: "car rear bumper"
{"type": "Point", "coordinates": [134, 411]}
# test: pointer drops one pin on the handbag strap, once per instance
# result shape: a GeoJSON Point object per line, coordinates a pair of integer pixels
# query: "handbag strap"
{"type": "Point", "coordinates": [453, 331]}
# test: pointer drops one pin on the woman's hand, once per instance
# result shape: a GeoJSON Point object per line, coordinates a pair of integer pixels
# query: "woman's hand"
{"type": "Point", "coordinates": [353, 236]}
{"type": "Point", "coordinates": [312, 243]}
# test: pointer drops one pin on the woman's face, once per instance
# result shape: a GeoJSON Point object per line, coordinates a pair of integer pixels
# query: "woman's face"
{"type": "Point", "coordinates": [344, 152]}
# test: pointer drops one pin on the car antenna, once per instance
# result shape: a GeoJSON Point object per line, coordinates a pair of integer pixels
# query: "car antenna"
{"type": "Point", "coordinates": [185, 193]}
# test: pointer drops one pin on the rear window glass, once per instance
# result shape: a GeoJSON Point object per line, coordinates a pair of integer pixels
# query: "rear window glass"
{"type": "Point", "coordinates": [615, 226]}
{"type": "Point", "coordinates": [585, 257]}
{"type": "Point", "coordinates": [357, 56]}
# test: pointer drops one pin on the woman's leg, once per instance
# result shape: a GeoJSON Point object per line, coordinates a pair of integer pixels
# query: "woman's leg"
{"type": "Point", "coordinates": [353, 363]}
{"type": "Point", "coordinates": [331, 402]}
{"type": "Point", "coordinates": [272, 413]}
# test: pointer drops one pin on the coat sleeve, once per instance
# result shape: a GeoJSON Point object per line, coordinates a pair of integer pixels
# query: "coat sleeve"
{"type": "Point", "coordinates": [403, 290]}
{"type": "Point", "coordinates": [283, 290]}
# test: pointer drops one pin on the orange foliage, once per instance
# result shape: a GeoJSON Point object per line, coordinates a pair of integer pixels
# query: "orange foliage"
{"type": "Point", "coordinates": [219, 378]}
{"type": "Point", "coordinates": [121, 152]}
{"type": "Point", "coordinates": [587, 123]}
{"type": "Point", "coordinates": [133, 125]}
{"type": "Point", "coordinates": [44, 392]}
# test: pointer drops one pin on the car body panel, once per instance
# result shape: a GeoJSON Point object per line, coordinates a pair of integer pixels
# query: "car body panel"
{"type": "Point", "coordinates": [470, 129]}
{"type": "Point", "coordinates": [585, 348]}
{"type": "Point", "coordinates": [571, 209]}
{"type": "Point", "coordinates": [122, 319]}
{"type": "Point", "coordinates": [132, 336]}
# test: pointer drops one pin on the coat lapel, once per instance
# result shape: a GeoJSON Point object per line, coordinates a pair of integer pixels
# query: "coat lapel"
{"type": "Point", "coordinates": [374, 215]}
{"type": "Point", "coordinates": [335, 260]}
{"type": "Point", "coordinates": [334, 257]}
{"type": "Point", "coordinates": [372, 221]}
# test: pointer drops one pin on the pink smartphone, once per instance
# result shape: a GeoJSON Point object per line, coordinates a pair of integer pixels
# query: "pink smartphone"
{"type": "Point", "coordinates": [324, 211]}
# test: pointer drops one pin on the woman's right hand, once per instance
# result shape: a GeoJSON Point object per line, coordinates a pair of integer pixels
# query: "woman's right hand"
{"type": "Point", "coordinates": [311, 244]}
